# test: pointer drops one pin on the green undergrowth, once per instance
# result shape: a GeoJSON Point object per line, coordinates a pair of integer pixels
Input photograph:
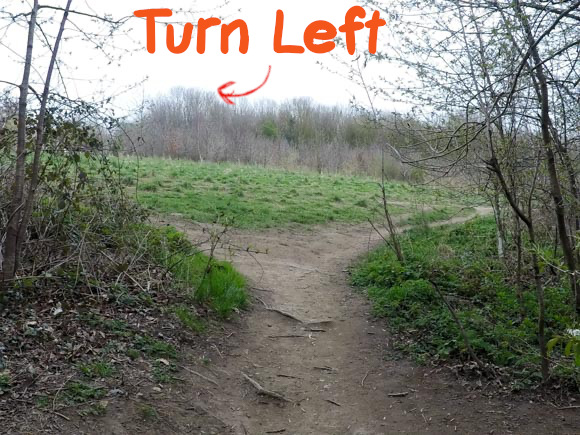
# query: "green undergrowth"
{"type": "Point", "coordinates": [101, 298]}
{"type": "Point", "coordinates": [462, 261]}
{"type": "Point", "coordinates": [205, 280]}
{"type": "Point", "coordinates": [154, 292]}
{"type": "Point", "coordinates": [190, 280]}
{"type": "Point", "coordinates": [258, 197]}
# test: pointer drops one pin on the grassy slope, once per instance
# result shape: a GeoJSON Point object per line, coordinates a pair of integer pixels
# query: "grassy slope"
{"type": "Point", "coordinates": [154, 293]}
{"type": "Point", "coordinates": [256, 197]}
{"type": "Point", "coordinates": [222, 289]}
{"type": "Point", "coordinates": [214, 282]}
{"type": "Point", "coordinates": [462, 261]}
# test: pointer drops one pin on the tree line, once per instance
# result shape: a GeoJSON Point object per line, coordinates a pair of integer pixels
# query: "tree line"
{"type": "Point", "coordinates": [195, 124]}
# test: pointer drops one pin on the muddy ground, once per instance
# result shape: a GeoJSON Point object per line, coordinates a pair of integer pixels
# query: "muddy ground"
{"type": "Point", "coordinates": [308, 358]}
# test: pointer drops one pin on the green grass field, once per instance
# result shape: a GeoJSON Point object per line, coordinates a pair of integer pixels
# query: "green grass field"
{"type": "Point", "coordinates": [256, 197]}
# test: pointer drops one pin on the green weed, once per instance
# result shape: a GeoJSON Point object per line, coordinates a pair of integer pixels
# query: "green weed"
{"type": "Point", "coordinates": [147, 412]}
{"type": "Point", "coordinates": [97, 369]}
{"type": "Point", "coordinates": [133, 353]}
{"type": "Point", "coordinates": [96, 410]}
{"type": "Point", "coordinates": [155, 348]}
{"type": "Point", "coordinates": [43, 401]}
{"type": "Point", "coordinates": [188, 319]}
{"type": "Point", "coordinates": [79, 392]}
{"type": "Point", "coordinates": [163, 373]}
{"type": "Point", "coordinates": [5, 383]}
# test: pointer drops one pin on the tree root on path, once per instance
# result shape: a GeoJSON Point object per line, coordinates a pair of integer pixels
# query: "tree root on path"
{"type": "Point", "coordinates": [293, 317]}
{"type": "Point", "coordinates": [264, 392]}
{"type": "Point", "coordinates": [211, 381]}
{"type": "Point", "coordinates": [283, 313]}
{"type": "Point", "coordinates": [403, 394]}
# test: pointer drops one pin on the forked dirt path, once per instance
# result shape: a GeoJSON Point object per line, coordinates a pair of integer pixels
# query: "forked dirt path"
{"type": "Point", "coordinates": [335, 367]}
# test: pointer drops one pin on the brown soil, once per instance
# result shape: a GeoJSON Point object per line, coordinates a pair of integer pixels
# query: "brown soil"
{"type": "Point", "coordinates": [333, 367]}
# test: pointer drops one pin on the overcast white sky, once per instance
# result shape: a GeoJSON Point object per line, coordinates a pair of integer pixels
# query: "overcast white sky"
{"type": "Point", "coordinates": [292, 75]}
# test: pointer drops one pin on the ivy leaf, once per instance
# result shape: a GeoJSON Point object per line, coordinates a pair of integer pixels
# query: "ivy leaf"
{"type": "Point", "coordinates": [553, 342]}
{"type": "Point", "coordinates": [568, 349]}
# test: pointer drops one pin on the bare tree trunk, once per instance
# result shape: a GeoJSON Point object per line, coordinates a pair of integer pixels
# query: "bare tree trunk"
{"type": "Point", "coordinates": [519, 267]}
{"type": "Point", "coordinates": [39, 145]}
{"type": "Point", "coordinates": [10, 247]}
{"type": "Point", "coordinates": [474, 357]}
{"type": "Point", "coordinates": [500, 230]}
{"type": "Point", "coordinates": [555, 187]}
{"type": "Point", "coordinates": [528, 220]}
{"type": "Point", "coordinates": [541, 309]}
{"type": "Point", "coordinates": [391, 226]}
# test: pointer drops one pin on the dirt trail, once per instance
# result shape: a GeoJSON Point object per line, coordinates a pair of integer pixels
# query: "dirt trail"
{"type": "Point", "coordinates": [336, 368]}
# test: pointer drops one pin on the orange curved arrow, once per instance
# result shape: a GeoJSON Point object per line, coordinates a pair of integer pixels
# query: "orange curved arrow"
{"type": "Point", "coordinates": [228, 96]}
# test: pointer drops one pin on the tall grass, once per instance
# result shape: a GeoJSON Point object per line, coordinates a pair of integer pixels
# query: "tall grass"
{"type": "Point", "coordinates": [206, 280]}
